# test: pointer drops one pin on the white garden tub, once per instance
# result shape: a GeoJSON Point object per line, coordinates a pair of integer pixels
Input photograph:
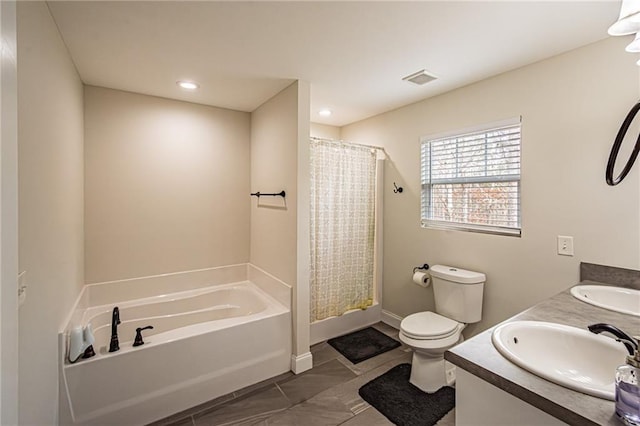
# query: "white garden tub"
{"type": "Point", "coordinates": [207, 341]}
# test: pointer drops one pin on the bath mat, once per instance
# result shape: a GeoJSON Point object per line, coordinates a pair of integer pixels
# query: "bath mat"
{"type": "Point", "coordinates": [403, 403]}
{"type": "Point", "coordinates": [363, 344]}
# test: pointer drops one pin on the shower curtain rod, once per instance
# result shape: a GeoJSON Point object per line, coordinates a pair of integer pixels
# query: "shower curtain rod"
{"type": "Point", "coordinates": [350, 143]}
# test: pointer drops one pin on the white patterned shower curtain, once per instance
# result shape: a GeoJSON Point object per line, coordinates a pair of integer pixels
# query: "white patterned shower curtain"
{"type": "Point", "coordinates": [343, 186]}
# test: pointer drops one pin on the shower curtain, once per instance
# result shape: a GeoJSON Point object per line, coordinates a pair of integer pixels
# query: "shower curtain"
{"type": "Point", "coordinates": [342, 213]}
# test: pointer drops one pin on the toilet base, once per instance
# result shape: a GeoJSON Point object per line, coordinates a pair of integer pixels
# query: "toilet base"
{"type": "Point", "coordinates": [430, 374]}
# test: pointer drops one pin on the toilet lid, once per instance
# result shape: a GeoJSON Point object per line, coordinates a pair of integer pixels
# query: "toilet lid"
{"type": "Point", "coordinates": [428, 325]}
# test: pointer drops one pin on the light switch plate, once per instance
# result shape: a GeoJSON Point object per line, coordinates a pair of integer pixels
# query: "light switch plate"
{"type": "Point", "coordinates": [565, 245]}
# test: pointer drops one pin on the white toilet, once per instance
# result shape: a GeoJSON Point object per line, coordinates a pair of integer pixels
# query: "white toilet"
{"type": "Point", "coordinates": [458, 300]}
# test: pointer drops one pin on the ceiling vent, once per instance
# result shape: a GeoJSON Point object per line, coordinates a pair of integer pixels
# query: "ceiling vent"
{"type": "Point", "coordinates": [421, 77]}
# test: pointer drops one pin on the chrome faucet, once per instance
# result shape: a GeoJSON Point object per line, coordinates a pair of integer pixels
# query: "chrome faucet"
{"type": "Point", "coordinates": [629, 342]}
{"type": "Point", "coordinates": [115, 320]}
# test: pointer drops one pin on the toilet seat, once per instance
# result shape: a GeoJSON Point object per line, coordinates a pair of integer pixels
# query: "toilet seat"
{"type": "Point", "coordinates": [429, 326]}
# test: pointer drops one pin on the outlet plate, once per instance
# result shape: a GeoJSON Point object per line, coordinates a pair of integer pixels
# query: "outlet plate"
{"type": "Point", "coordinates": [565, 245]}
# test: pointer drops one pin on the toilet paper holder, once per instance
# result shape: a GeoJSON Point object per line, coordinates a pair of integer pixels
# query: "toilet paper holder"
{"type": "Point", "coordinates": [423, 268]}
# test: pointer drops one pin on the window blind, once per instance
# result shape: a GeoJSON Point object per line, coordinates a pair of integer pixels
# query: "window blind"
{"type": "Point", "coordinates": [471, 181]}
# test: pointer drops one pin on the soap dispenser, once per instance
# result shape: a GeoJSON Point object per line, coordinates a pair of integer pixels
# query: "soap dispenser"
{"type": "Point", "coordinates": [628, 390]}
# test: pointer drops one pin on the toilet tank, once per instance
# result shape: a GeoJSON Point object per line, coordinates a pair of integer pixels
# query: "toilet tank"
{"type": "Point", "coordinates": [458, 293]}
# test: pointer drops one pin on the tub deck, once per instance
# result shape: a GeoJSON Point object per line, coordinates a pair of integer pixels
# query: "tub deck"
{"type": "Point", "coordinates": [206, 342]}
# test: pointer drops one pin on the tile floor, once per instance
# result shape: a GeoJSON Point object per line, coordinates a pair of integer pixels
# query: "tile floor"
{"type": "Point", "coordinates": [323, 396]}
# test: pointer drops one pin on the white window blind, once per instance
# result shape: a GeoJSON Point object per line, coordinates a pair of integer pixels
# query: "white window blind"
{"type": "Point", "coordinates": [471, 180]}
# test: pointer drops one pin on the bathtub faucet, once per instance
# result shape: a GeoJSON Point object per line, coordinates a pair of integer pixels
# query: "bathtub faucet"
{"type": "Point", "coordinates": [115, 320]}
{"type": "Point", "coordinates": [630, 343]}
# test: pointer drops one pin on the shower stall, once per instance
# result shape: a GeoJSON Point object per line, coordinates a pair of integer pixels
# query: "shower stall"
{"type": "Point", "coordinates": [346, 237]}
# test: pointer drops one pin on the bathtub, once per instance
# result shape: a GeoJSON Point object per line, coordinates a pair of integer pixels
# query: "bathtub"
{"type": "Point", "coordinates": [207, 341]}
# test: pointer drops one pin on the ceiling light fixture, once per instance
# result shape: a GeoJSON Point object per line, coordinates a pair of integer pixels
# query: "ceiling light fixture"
{"type": "Point", "coordinates": [629, 20]}
{"type": "Point", "coordinates": [188, 85]}
{"type": "Point", "coordinates": [628, 23]}
{"type": "Point", "coordinates": [324, 112]}
{"type": "Point", "coordinates": [421, 77]}
{"type": "Point", "coordinates": [634, 46]}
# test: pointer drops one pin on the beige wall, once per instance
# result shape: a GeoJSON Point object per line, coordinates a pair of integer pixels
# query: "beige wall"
{"type": "Point", "coordinates": [324, 131]}
{"type": "Point", "coordinates": [9, 215]}
{"type": "Point", "coordinates": [50, 135]}
{"type": "Point", "coordinates": [166, 185]}
{"type": "Point", "coordinates": [279, 227]}
{"type": "Point", "coordinates": [274, 165]}
{"type": "Point", "coordinates": [301, 301]}
{"type": "Point", "coordinates": [571, 107]}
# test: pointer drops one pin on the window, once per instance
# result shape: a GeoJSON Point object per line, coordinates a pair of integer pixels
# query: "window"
{"type": "Point", "coordinates": [471, 179]}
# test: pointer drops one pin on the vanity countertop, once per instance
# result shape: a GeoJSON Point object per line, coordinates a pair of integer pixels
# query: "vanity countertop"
{"type": "Point", "coordinates": [478, 356]}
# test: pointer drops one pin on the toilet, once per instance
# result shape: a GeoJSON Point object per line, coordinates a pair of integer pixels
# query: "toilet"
{"type": "Point", "coordinates": [458, 302]}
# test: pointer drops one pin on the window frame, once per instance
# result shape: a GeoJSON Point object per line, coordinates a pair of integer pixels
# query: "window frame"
{"type": "Point", "coordinates": [425, 188]}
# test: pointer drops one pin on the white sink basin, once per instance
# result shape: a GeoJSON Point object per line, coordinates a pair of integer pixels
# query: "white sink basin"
{"type": "Point", "coordinates": [623, 300]}
{"type": "Point", "coordinates": [568, 356]}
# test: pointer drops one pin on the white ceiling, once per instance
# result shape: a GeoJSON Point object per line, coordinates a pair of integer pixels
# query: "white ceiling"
{"type": "Point", "coordinates": [354, 54]}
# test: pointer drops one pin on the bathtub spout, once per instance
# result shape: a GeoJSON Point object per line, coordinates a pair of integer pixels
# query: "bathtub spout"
{"type": "Point", "coordinates": [115, 320]}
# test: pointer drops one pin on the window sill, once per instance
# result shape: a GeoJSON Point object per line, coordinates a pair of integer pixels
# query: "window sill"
{"type": "Point", "coordinates": [469, 227]}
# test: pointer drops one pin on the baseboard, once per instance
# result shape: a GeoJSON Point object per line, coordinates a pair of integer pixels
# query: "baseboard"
{"type": "Point", "coordinates": [301, 363]}
{"type": "Point", "coordinates": [391, 319]}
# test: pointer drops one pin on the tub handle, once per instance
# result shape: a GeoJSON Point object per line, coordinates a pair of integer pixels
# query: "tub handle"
{"type": "Point", "coordinates": [138, 340]}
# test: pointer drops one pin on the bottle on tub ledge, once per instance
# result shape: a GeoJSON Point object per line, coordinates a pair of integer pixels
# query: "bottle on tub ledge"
{"type": "Point", "coordinates": [81, 343]}
{"type": "Point", "coordinates": [628, 390]}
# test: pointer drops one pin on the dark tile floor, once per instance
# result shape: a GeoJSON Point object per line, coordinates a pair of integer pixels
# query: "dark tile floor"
{"type": "Point", "coordinates": [325, 395]}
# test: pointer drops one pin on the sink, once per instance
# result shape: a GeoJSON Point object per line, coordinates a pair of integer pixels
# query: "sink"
{"type": "Point", "coordinates": [623, 300]}
{"type": "Point", "coordinates": [568, 356]}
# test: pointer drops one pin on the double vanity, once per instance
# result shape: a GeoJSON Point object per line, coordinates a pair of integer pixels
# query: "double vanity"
{"type": "Point", "coordinates": [542, 366]}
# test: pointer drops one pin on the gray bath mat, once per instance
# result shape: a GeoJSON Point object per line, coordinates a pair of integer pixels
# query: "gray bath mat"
{"type": "Point", "coordinates": [403, 403]}
{"type": "Point", "coordinates": [363, 344]}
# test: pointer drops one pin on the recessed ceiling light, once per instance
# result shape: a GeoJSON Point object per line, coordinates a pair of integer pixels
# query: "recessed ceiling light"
{"type": "Point", "coordinates": [421, 77]}
{"type": "Point", "coordinates": [325, 112]}
{"type": "Point", "coordinates": [189, 85]}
